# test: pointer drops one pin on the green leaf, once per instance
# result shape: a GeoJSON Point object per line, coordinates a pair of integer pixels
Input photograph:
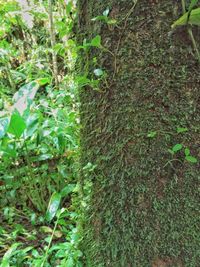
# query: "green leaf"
{"type": "Point", "coordinates": [191, 159]}
{"type": "Point", "coordinates": [67, 190]}
{"type": "Point", "coordinates": [53, 206]}
{"type": "Point", "coordinates": [177, 147]}
{"type": "Point", "coordinates": [112, 21]}
{"type": "Point", "coordinates": [194, 18]}
{"type": "Point", "coordinates": [187, 152]}
{"type": "Point", "coordinates": [6, 258]}
{"type": "Point", "coordinates": [181, 130]}
{"type": "Point", "coordinates": [17, 125]}
{"type": "Point", "coordinates": [9, 152]}
{"type": "Point", "coordinates": [100, 18]}
{"type": "Point", "coordinates": [192, 4]}
{"type": "Point", "coordinates": [96, 41]}
{"type": "Point", "coordinates": [42, 157]}
{"type": "Point", "coordinates": [46, 229]}
{"type": "Point", "coordinates": [61, 142]}
{"type": "Point", "coordinates": [82, 81]}
{"type": "Point", "coordinates": [43, 81]}
{"type": "Point", "coordinates": [4, 123]}
{"type": "Point", "coordinates": [152, 134]}
{"type": "Point", "coordinates": [70, 262]}
{"type": "Point", "coordinates": [32, 124]}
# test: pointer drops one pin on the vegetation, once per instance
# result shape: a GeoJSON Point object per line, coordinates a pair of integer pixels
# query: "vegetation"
{"type": "Point", "coordinates": [99, 133]}
{"type": "Point", "coordinates": [39, 131]}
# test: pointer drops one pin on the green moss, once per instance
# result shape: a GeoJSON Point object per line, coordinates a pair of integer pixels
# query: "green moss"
{"type": "Point", "coordinates": [140, 210]}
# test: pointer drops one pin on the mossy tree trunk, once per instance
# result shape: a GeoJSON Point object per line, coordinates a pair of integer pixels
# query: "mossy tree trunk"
{"type": "Point", "coordinates": [143, 209]}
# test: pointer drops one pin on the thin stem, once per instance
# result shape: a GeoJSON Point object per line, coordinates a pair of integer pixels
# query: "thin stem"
{"type": "Point", "coordinates": [194, 43]}
{"type": "Point", "coordinates": [10, 76]}
{"type": "Point", "coordinates": [50, 241]}
{"type": "Point", "coordinates": [31, 181]}
{"type": "Point", "coordinates": [53, 42]}
{"type": "Point", "coordinates": [183, 6]}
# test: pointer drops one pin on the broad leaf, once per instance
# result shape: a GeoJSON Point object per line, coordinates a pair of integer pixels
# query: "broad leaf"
{"type": "Point", "coordinates": [192, 4]}
{"type": "Point", "coordinates": [32, 124]}
{"type": "Point", "coordinates": [53, 206]}
{"type": "Point", "coordinates": [194, 18]}
{"type": "Point", "coordinates": [17, 125]}
{"type": "Point", "coordinates": [67, 190]}
{"type": "Point", "coordinates": [24, 97]}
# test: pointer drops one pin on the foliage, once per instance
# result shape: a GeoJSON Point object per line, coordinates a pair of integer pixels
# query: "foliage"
{"type": "Point", "coordinates": [190, 18]}
{"type": "Point", "coordinates": [39, 136]}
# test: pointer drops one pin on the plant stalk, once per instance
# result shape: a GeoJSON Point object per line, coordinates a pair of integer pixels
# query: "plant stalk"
{"type": "Point", "coordinates": [53, 42]}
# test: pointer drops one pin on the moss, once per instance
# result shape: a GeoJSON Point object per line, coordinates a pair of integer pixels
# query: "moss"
{"type": "Point", "coordinates": [141, 211]}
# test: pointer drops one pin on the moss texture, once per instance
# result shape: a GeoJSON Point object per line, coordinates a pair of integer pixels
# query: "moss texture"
{"type": "Point", "coordinates": [143, 210]}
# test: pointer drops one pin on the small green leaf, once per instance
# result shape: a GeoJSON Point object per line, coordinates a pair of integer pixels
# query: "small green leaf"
{"type": "Point", "coordinates": [82, 81]}
{"type": "Point", "coordinates": [177, 147]}
{"type": "Point", "coordinates": [191, 159]}
{"type": "Point", "coordinates": [46, 229]}
{"type": "Point", "coordinates": [17, 125]}
{"type": "Point", "coordinates": [53, 206]}
{"type": "Point", "coordinates": [67, 190]}
{"type": "Point", "coordinates": [96, 41]}
{"type": "Point", "coordinates": [4, 123]}
{"type": "Point", "coordinates": [42, 157]}
{"type": "Point", "coordinates": [100, 18]}
{"type": "Point", "coordinates": [181, 130]}
{"type": "Point", "coordinates": [112, 21]}
{"type": "Point", "coordinates": [43, 81]}
{"type": "Point", "coordinates": [187, 152]}
{"type": "Point", "coordinates": [152, 134]}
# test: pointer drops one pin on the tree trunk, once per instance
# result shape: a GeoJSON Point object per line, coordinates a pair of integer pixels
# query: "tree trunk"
{"type": "Point", "coordinates": [143, 205]}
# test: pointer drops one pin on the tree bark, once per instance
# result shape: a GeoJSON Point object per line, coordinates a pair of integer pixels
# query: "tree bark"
{"type": "Point", "coordinates": [144, 202]}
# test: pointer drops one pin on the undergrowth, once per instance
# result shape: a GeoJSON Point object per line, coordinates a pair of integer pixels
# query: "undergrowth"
{"type": "Point", "coordinates": [39, 135]}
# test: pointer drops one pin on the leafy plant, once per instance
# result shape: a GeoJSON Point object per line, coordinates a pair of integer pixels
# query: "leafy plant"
{"type": "Point", "coordinates": [189, 18]}
{"type": "Point", "coordinates": [188, 157]}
